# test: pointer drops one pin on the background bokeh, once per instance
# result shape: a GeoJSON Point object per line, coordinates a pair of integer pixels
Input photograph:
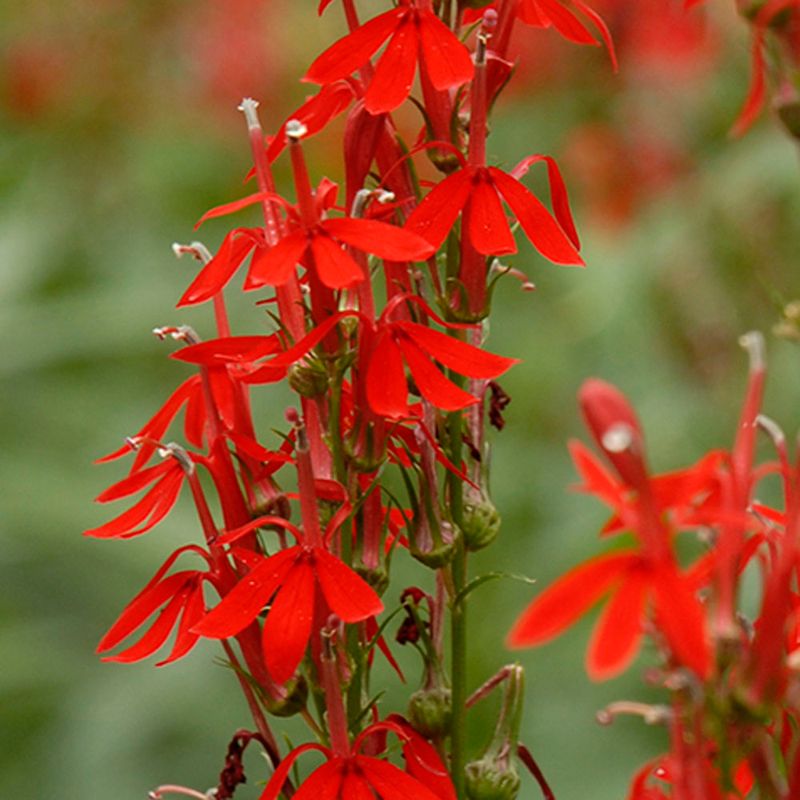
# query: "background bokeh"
{"type": "Point", "coordinates": [118, 129]}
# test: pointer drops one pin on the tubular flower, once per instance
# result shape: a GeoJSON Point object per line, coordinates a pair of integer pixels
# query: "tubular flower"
{"type": "Point", "coordinates": [415, 34]}
{"type": "Point", "coordinates": [353, 776]}
{"type": "Point", "coordinates": [290, 582]}
{"type": "Point", "coordinates": [476, 193]}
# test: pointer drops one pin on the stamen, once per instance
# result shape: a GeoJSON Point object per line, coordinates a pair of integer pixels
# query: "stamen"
{"type": "Point", "coordinates": [753, 343]}
{"type": "Point", "coordinates": [196, 249]}
{"type": "Point", "coordinates": [174, 450]}
{"type": "Point", "coordinates": [185, 791]}
{"type": "Point", "coordinates": [295, 129]}
{"type": "Point", "coordinates": [773, 430]}
{"type": "Point", "coordinates": [181, 333]}
{"type": "Point", "coordinates": [652, 715]}
{"type": "Point", "coordinates": [618, 438]}
{"type": "Point", "coordinates": [248, 107]}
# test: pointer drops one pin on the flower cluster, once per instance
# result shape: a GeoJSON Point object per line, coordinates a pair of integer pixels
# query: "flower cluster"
{"type": "Point", "coordinates": [378, 290]}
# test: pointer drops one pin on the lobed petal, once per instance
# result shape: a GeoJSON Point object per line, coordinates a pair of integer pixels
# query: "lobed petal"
{"type": "Point", "coordinates": [386, 386]}
{"type": "Point", "coordinates": [379, 238]}
{"type": "Point", "coordinates": [394, 72]}
{"type": "Point", "coordinates": [436, 214]}
{"type": "Point", "coordinates": [348, 595]}
{"type": "Point", "coordinates": [446, 60]}
{"type": "Point", "coordinates": [336, 268]}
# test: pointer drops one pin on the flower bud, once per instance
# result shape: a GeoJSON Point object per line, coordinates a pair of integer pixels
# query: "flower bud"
{"type": "Point", "coordinates": [488, 779]}
{"type": "Point", "coordinates": [480, 524]}
{"type": "Point", "coordinates": [376, 577]}
{"type": "Point", "coordinates": [435, 558]}
{"type": "Point", "coordinates": [294, 701]}
{"type": "Point", "coordinates": [309, 379]}
{"type": "Point", "coordinates": [429, 711]}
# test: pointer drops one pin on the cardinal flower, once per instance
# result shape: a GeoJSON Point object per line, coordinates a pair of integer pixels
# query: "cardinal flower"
{"type": "Point", "coordinates": [318, 244]}
{"type": "Point", "coordinates": [415, 34]}
{"type": "Point", "coordinates": [180, 594]}
{"type": "Point", "coordinates": [353, 776]}
{"type": "Point", "coordinates": [477, 193]}
{"type": "Point", "coordinates": [289, 582]}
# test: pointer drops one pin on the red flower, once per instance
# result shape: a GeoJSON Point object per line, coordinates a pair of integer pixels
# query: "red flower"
{"type": "Point", "coordinates": [417, 34]}
{"type": "Point", "coordinates": [289, 582]}
{"type": "Point", "coordinates": [318, 244]}
{"type": "Point", "coordinates": [477, 192]}
{"type": "Point", "coordinates": [355, 776]}
{"type": "Point", "coordinates": [180, 594]}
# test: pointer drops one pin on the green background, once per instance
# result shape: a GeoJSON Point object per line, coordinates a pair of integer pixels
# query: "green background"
{"type": "Point", "coordinates": [116, 134]}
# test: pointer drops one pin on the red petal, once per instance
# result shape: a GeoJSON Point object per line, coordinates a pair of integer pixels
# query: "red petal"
{"type": "Point", "coordinates": [355, 787]}
{"type": "Point", "coordinates": [605, 33]}
{"type": "Point", "coordinates": [558, 193]}
{"type": "Point", "coordinates": [244, 602]}
{"type": "Point", "coordinates": [380, 238]}
{"type": "Point", "coordinates": [153, 507]}
{"type": "Point", "coordinates": [435, 215]}
{"type": "Point", "coordinates": [543, 232]}
{"type": "Point", "coordinates": [432, 384]}
{"type": "Point", "coordinates": [186, 638]}
{"type": "Point", "coordinates": [288, 624]}
{"type": "Point", "coordinates": [462, 357]}
{"type": "Point", "coordinates": [444, 57]}
{"type": "Point", "coordinates": [335, 268]}
{"type": "Point", "coordinates": [564, 601]}
{"type": "Point", "coordinates": [273, 266]}
{"type": "Point", "coordinates": [275, 785]}
{"type": "Point", "coordinates": [354, 50]}
{"type": "Point", "coordinates": [348, 595]}
{"type": "Point", "coordinates": [155, 636]}
{"type": "Point", "coordinates": [237, 205]}
{"type": "Point", "coordinates": [597, 480]}
{"type": "Point", "coordinates": [757, 92]}
{"type": "Point", "coordinates": [219, 352]}
{"type": "Point", "coordinates": [215, 275]}
{"type": "Point", "coordinates": [618, 633]}
{"type": "Point", "coordinates": [387, 390]}
{"type": "Point", "coordinates": [135, 482]}
{"type": "Point", "coordinates": [324, 783]}
{"type": "Point", "coordinates": [391, 782]}
{"type": "Point", "coordinates": [681, 619]}
{"type": "Point", "coordinates": [152, 597]}
{"type": "Point", "coordinates": [194, 419]}
{"type": "Point", "coordinates": [485, 221]}
{"type": "Point", "coordinates": [154, 428]}
{"type": "Point", "coordinates": [394, 72]}
{"type": "Point", "coordinates": [565, 22]}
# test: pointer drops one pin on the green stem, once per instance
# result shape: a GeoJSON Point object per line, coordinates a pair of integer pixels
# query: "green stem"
{"type": "Point", "coordinates": [458, 617]}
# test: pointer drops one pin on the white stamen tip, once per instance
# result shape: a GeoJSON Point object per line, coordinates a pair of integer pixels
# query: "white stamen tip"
{"type": "Point", "coordinates": [386, 197]}
{"type": "Point", "coordinates": [248, 107]}
{"type": "Point", "coordinates": [753, 342]}
{"type": "Point", "coordinates": [178, 249]}
{"type": "Point", "coordinates": [618, 438]}
{"type": "Point", "coordinates": [296, 129]}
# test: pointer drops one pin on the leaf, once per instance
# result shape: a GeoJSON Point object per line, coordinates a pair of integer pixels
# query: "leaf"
{"type": "Point", "coordinates": [486, 578]}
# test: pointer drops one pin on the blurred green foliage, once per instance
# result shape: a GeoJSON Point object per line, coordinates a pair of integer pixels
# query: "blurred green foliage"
{"type": "Point", "coordinates": [115, 140]}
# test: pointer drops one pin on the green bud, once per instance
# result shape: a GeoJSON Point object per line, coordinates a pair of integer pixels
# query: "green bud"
{"type": "Point", "coordinates": [309, 379]}
{"type": "Point", "coordinates": [376, 577]}
{"type": "Point", "coordinates": [480, 524]}
{"type": "Point", "coordinates": [437, 557]}
{"type": "Point", "coordinates": [487, 779]}
{"type": "Point", "coordinates": [295, 700]}
{"type": "Point", "coordinates": [429, 711]}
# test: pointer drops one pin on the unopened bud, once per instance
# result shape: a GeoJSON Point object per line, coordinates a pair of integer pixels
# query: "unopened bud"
{"type": "Point", "coordinates": [430, 710]}
{"type": "Point", "coordinates": [309, 379]}
{"type": "Point", "coordinates": [480, 524]}
{"type": "Point", "coordinates": [293, 702]}
{"type": "Point", "coordinates": [488, 779]}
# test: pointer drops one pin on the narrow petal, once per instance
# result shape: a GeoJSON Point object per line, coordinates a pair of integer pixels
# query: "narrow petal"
{"type": "Point", "coordinates": [273, 266]}
{"type": "Point", "coordinates": [432, 384]}
{"type": "Point", "coordinates": [288, 624]}
{"type": "Point", "coordinates": [565, 22]}
{"type": "Point", "coordinates": [571, 596]}
{"type": "Point", "coordinates": [155, 636]}
{"type": "Point", "coordinates": [135, 482]}
{"type": "Point", "coordinates": [485, 221]}
{"type": "Point", "coordinates": [756, 94]}
{"type": "Point", "coordinates": [335, 268]}
{"type": "Point", "coordinates": [324, 783]}
{"type": "Point", "coordinates": [462, 357]}
{"type": "Point", "coordinates": [229, 349]}
{"type": "Point", "coordinates": [186, 638]}
{"type": "Point", "coordinates": [436, 214]}
{"type": "Point", "coordinates": [354, 50]}
{"type": "Point", "coordinates": [275, 784]}
{"type": "Point", "coordinates": [445, 58]}
{"type": "Point", "coordinates": [237, 205]}
{"type": "Point", "coordinates": [618, 633]}
{"type": "Point", "coordinates": [144, 605]}
{"type": "Point", "coordinates": [680, 616]}
{"type": "Point", "coordinates": [390, 782]}
{"type": "Point", "coordinates": [596, 479]}
{"type": "Point", "coordinates": [355, 787]}
{"type": "Point", "coordinates": [380, 238]}
{"type": "Point", "coordinates": [387, 390]}
{"type": "Point", "coordinates": [394, 72]}
{"type": "Point", "coordinates": [605, 33]}
{"type": "Point", "coordinates": [348, 595]}
{"type": "Point", "coordinates": [244, 602]}
{"type": "Point", "coordinates": [543, 232]}
{"type": "Point", "coordinates": [214, 276]}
